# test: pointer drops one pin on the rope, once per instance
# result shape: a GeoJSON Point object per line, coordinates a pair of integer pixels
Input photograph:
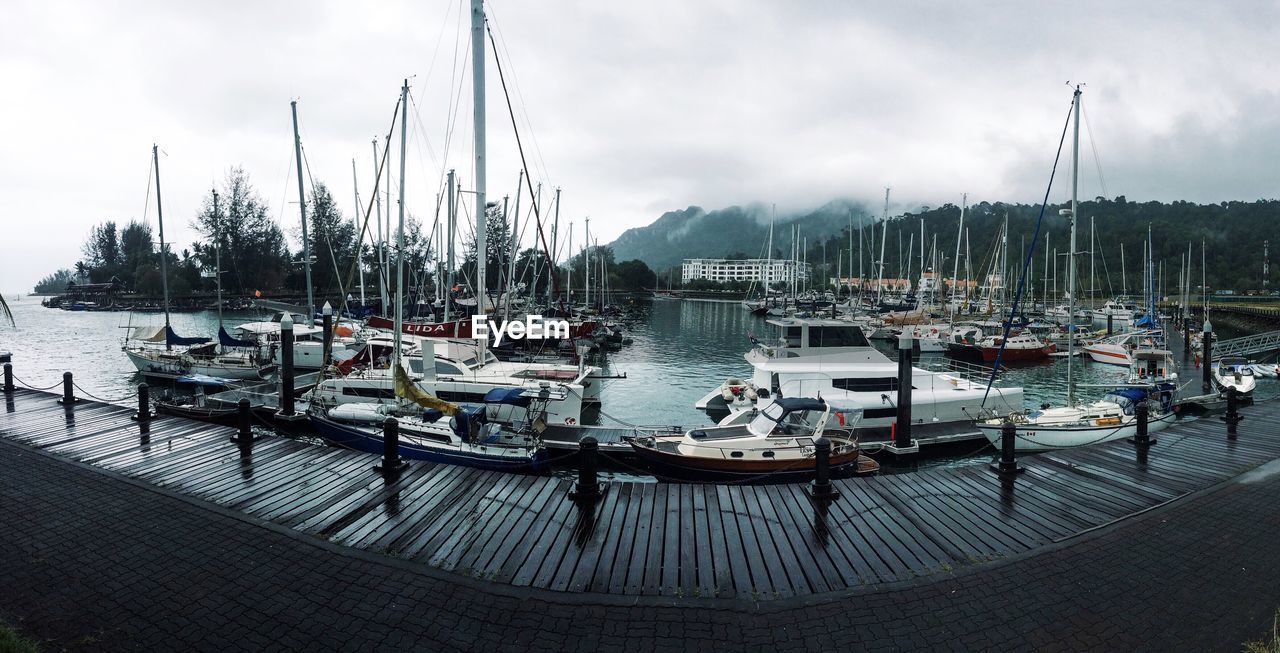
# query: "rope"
{"type": "Point", "coordinates": [32, 387]}
{"type": "Point", "coordinates": [107, 401]}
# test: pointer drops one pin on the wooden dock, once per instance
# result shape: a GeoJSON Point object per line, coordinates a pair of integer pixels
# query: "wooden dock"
{"type": "Point", "coordinates": [727, 541]}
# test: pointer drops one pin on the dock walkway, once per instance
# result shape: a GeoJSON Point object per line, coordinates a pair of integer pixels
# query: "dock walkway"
{"type": "Point", "coordinates": [756, 543]}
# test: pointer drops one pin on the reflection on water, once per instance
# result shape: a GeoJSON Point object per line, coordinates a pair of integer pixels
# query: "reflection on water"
{"type": "Point", "coordinates": [680, 350]}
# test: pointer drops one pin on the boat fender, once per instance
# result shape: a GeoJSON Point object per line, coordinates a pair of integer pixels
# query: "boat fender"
{"type": "Point", "coordinates": [762, 393]}
{"type": "Point", "coordinates": [570, 421]}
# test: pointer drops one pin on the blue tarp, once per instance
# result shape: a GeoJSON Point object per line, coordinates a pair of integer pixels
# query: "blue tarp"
{"type": "Point", "coordinates": [174, 339]}
{"type": "Point", "coordinates": [431, 415]}
{"type": "Point", "coordinates": [798, 403]}
{"type": "Point", "coordinates": [509, 396]}
{"type": "Point", "coordinates": [1144, 321]}
{"type": "Point", "coordinates": [226, 340]}
{"type": "Point", "coordinates": [464, 418]}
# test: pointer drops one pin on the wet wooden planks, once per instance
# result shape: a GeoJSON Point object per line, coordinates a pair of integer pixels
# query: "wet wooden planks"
{"type": "Point", "coordinates": [753, 542]}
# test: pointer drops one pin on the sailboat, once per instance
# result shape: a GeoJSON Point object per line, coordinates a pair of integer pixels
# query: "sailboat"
{"type": "Point", "coordinates": [1114, 416]}
{"type": "Point", "coordinates": [152, 349]}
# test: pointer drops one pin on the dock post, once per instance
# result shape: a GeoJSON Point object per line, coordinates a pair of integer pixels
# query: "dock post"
{"type": "Point", "coordinates": [1206, 361]}
{"type": "Point", "coordinates": [327, 312]}
{"type": "Point", "coordinates": [8, 378]}
{"type": "Point", "coordinates": [1140, 438]}
{"type": "Point", "coordinates": [822, 489]}
{"type": "Point", "coordinates": [587, 489]}
{"type": "Point", "coordinates": [144, 403]}
{"type": "Point", "coordinates": [1008, 467]}
{"type": "Point", "coordinates": [391, 464]}
{"type": "Point", "coordinates": [902, 443]}
{"type": "Point", "coordinates": [286, 365]}
{"type": "Point", "coordinates": [68, 392]}
{"type": "Point", "coordinates": [1110, 323]}
{"type": "Point", "coordinates": [1186, 337]}
{"type": "Point", "coordinates": [244, 434]}
{"type": "Point", "coordinates": [1233, 417]}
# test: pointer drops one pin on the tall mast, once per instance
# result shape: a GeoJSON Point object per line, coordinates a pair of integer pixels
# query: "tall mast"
{"type": "Point", "coordinates": [850, 247]}
{"type": "Point", "coordinates": [453, 217]}
{"type": "Point", "coordinates": [764, 276]}
{"type": "Point", "coordinates": [884, 238]}
{"type": "Point", "coordinates": [477, 87]}
{"type": "Point", "coordinates": [164, 251]}
{"type": "Point", "coordinates": [1071, 256]}
{"type": "Point", "coordinates": [217, 255]}
{"type": "Point", "coordinates": [555, 246]}
{"type": "Point", "coordinates": [515, 248]}
{"type": "Point", "coordinates": [404, 112]}
{"type": "Point", "coordinates": [302, 208]}
{"type": "Point", "coordinates": [380, 246]}
{"type": "Point", "coordinates": [355, 219]}
{"type": "Point", "coordinates": [586, 264]}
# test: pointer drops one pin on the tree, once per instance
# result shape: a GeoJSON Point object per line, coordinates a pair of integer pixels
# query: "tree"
{"type": "Point", "coordinates": [497, 244]}
{"type": "Point", "coordinates": [136, 249]}
{"type": "Point", "coordinates": [102, 252]}
{"type": "Point", "coordinates": [253, 246]}
{"type": "Point", "coordinates": [632, 275]}
{"type": "Point", "coordinates": [56, 282]}
{"type": "Point", "coordinates": [332, 241]}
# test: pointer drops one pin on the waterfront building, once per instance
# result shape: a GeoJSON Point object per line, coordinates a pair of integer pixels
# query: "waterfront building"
{"type": "Point", "coordinates": [768, 271]}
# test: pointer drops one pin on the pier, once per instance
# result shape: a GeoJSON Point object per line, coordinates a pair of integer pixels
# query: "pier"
{"type": "Point", "coordinates": [757, 543]}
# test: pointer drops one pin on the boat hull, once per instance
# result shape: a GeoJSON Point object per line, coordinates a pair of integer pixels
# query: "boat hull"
{"type": "Point", "coordinates": [698, 468]}
{"type": "Point", "coordinates": [1033, 438]}
{"type": "Point", "coordinates": [370, 441]}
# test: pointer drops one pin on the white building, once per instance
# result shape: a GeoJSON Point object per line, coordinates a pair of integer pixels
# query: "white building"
{"type": "Point", "coordinates": [775, 272]}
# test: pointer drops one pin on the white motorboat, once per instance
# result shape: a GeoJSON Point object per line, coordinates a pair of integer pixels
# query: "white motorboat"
{"type": "Point", "coordinates": [1234, 372]}
{"type": "Point", "coordinates": [833, 359]}
{"type": "Point", "coordinates": [1117, 349]}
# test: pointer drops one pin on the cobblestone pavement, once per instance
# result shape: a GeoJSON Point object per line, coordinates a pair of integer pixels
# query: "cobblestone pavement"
{"type": "Point", "coordinates": [89, 560]}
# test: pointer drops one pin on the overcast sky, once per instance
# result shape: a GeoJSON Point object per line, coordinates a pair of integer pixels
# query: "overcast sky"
{"type": "Point", "coordinates": [633, 108]}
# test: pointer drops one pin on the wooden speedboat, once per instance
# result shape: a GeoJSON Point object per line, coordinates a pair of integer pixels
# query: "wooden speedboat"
{"type": "Point", "coordinates": [779, 444]}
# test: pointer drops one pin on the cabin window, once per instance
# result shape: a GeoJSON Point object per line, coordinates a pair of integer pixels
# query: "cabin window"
{"type": "Point", "coordinates": [736, 454]}
{"type": "Point", "coordinates": [837, 336]}
{"type": "Point", "coordinates": [447, 368]}
{"type": "Point", "coordinates": [377, 393]}
{"type": "Point", "coordinates": [879, 384]}
{"type": "Point", "coordinates": [792, 336]}
{"type": "Point", "coordinates": [767, 454]}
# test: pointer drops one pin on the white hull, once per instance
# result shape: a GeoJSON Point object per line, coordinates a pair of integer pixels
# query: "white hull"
{"type": "Point", "coordinates": [1109, 353]}
{"type": "Point", "coordinates": [357, 389]}
{"type": "Point", "coordinates": [1033, 437]}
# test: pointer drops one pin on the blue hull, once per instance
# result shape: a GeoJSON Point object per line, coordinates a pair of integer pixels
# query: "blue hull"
{"type": "Point", "coordinates": [370, 441]}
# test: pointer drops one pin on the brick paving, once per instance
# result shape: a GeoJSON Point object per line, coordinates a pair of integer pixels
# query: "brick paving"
{"type": "Point", "coordinates": [92, 561]}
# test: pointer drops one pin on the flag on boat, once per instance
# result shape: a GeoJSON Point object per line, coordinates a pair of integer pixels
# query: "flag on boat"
{"type": "Point", "coordinates": [407, 389]}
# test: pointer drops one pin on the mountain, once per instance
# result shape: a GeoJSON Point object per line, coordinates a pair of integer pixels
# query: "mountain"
{"type": "Point", "coordinates": [736, 230]}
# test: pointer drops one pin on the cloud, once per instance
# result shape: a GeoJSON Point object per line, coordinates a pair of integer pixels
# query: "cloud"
{"type": "Point", "coordinates": [633, 109]}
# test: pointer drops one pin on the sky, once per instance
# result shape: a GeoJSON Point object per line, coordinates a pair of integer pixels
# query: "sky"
{"type": "Point", "coordinates": [631, 108]}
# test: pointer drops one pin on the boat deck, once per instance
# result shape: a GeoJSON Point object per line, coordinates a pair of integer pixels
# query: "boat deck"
{"type": "Point", "coordinates": [658, 539]}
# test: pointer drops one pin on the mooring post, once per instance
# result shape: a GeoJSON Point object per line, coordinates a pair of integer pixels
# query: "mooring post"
{"type": "Point", "coordinates": [327, 312]}
{"type": "Point", "coordinates": [8, 378]}
{"type": "Point", "coordinates": [1233, 417]}
{"type": "Point", "coordinates": [902, 442]}
{"type": "Point", "coordinates": [1141, 414]}
{"type": "Point", "coordinates": [587, 489]}
{"type": "Point", "coordinates": [1110, 323]}
{"type": "Point", "coordinates": [1206, 361]}
{"type": "Point", "coordinates": [1008, 467]}
{"type": "Point", "coordinates": [822, 488]}
{"type": "Point", "coordinates": [391, 464]}
{"type": "Point", "coordinates": [286, 365]}
{"type": "Point", "coordinates": [68, 391]}
{"type": "Point", "coordinates": [244, 434]}
{"type": "Point", "coordinates": [144, 403]}
{"type": "Point", "coordinates": [1186, 337]}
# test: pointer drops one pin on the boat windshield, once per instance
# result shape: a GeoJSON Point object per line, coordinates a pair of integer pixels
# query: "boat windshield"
{"type": "Point", "coordinates": [774, 420]}
{"type": "Point", "coordinates": [1125, 403]}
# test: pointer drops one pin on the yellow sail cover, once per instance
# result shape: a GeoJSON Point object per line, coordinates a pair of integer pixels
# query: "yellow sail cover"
{"type": "Point", "coordinates": [407, 389]}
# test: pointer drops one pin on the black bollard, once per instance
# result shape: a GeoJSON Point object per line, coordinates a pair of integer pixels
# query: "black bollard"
{"type": "Point", "coordinates": [1206, 360]}
{"type": "Point", "coordinates": [822, 488]}
{"type": "Point", "coordinates": [68, 391]}
{"type": "Point", "coordinates": [902, 443]}
{"type": "Point", "coordinates": [1141, 439]}
{"type": "Point", "coordinates": [327, 312]}
{"type": "Point", "coordinates": [8, 378]}
{"type": "Point", "coordinates": [1110, 323]}
{"type": "Point", "coordinates": [244, 434]}
{"type": "Point", "coordinates": [587, 489]}
{"type": "Point", "coordinates": [1233, 417]}
{"type": "Point", "coordinates": [1008, 465]}
{"type": "Point", "coordinates": [286, 365]}
{"type": "Point", "coordinates": [144, 403]}
{"type": "Point", "coordinates": [391, 464]}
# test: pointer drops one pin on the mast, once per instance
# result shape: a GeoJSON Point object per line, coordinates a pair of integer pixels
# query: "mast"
{"type": "Point", "coordinates": [379, 246]}
{"type": "Point", "coordinates": [850, 248]}
{"type": "Point", "coordinates": [555, 246]}
{"type": "Point", "coordinates": [404, 112]}
{"type": "Point", "coordinates": [515, 249]}
{"type": "Point", "coordinates": [884, 237]}
{"type": "Point", "coordinates": [586, 264]}
{"type": "Point", "coordinates": [355, 219]}
{"type": "Point", "coordinates": [164, 252]}
{"type": "Point", "coordinates": [1071, 256]}
{"type": "Point", "coordinates": [302, 208]}
{"type": "Point", "coordinates": [453, 224]}
{"type": "Point", "coordinates": [1093, 277]}
{"type": "Point", "coordinates": [1124, 281]}
{"type": "Point", "coordinates": [477, 87]}
{"type": "Point", "coordinates": [764, 276]}
{"type": "Point", "coordinates": [217, 255]}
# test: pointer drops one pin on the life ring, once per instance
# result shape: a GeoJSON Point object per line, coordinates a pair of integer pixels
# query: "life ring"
{"type": "Point", "coordinates": [570, 421]}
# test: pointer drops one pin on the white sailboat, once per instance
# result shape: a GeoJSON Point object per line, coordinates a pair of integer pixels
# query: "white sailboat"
{"type": "Point", "coordinates": [1111, 418]}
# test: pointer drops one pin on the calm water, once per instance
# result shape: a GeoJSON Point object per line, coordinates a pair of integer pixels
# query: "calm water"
{"type": "Point", "coordinates": [680, 350]}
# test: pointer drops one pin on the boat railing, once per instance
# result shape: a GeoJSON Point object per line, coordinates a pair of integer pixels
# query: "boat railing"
{"type": "Point", "coordinates": [968, 371]}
